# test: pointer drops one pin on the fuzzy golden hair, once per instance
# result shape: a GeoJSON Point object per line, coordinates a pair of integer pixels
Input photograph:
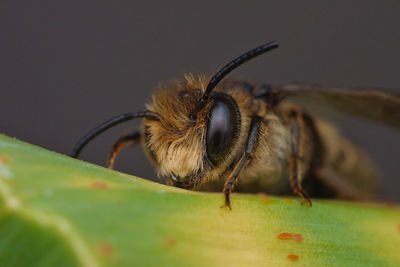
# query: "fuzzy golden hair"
{"type": "Point", "coordinates": [175, 142]}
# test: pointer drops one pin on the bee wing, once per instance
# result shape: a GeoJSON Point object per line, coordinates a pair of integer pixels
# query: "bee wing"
{"type": "Point", "coordinates": [370, 103]}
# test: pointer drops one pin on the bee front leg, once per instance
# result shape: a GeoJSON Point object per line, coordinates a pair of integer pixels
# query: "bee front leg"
{"type": "Point", "coordinates": [295, 181]}
{"type": "Point", "coordinates": [126, 140]}
{"type": "Point", "coordinates": [248, 154]}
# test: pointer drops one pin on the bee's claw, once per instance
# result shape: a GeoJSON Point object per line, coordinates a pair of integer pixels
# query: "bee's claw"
{"type": "Point", "coordinates": [308, 201]}
{"type": "Point", "coordinates": [226, 205]}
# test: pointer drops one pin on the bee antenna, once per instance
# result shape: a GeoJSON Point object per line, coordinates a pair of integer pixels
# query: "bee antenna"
{"type": "Point", "coordinates": [107, 125]}
{"type": "Point", "coordinates": [228, 68]}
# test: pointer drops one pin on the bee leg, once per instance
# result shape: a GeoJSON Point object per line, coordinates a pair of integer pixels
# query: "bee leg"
{"type": "Point", "coordinates": [295, 181]}
{"type": "Point", "coordinates": [126, 140]}
{"type": "Point", "coordinates": [248, 154]}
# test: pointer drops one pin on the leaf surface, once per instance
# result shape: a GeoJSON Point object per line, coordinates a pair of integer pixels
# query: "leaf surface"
{"type": "Point", "coordinates": [59, 211]}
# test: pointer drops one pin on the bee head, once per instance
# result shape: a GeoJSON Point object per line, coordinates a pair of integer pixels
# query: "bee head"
{"type": "Point", "coordinates": [190, 151]}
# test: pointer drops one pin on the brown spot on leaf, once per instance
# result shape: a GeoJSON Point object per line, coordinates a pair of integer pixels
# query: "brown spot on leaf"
{"type": "Point", "coordinates": [266, 201]}
{"type": "Point", "coordinates": [105, 249]}
{"type": "Point", "coordinates": [289, 236]}
{"type": "Point", "coordinates": [264, 198]}
{"type": "Point", "coordinates": [398, 227]}
{"type": "Point", "coordinates": [293, 257]}
{"type": "Point", "coordinates": [3, 160]}
{"type": "Point", "coordinates": [288, 200]}
{"type": "Point", "coordinates": [99, 185]}
{"type": "Point", "coordinates": [170, 241]}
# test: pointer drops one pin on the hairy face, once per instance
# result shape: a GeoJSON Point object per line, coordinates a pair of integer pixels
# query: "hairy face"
{"type": "Point", "coordinates": [187, 151]}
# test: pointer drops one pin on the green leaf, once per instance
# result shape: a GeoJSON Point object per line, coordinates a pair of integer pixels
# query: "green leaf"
{"type": "Point", "coordinates": [58, 211]}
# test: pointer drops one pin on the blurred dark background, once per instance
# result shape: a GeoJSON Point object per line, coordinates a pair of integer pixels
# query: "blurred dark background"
{"type": "Point", "coordinates": [67, 66]}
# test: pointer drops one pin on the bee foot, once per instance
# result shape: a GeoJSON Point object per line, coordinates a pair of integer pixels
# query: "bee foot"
{"type": "Point", "coordinates": [226, 205]}
{"type": "Point", "coordinates": [308, 201]}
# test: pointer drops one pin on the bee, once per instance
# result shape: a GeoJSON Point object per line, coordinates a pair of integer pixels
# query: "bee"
{"type": "Point", "coordinates": [203, 133]}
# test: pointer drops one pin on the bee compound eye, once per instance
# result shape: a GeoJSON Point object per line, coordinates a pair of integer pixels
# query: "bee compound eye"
{"type": "Point", "coordinates": [221, 131]}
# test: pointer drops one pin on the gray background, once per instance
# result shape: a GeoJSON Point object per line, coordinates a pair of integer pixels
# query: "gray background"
{"type": "Point", "coordinates": [67, 66]}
